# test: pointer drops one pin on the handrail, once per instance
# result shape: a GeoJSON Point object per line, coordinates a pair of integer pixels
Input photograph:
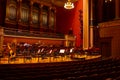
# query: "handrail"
{"type": "Point", "coordinates": [18, 32]}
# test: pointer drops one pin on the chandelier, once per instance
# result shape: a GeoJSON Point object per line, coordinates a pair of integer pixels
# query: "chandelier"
{"type": "Point", "coordinates": [68, 5]}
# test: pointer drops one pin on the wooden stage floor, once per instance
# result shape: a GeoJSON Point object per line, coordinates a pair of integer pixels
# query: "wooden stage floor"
{"type": "Point", "coordinates": [22, 60]}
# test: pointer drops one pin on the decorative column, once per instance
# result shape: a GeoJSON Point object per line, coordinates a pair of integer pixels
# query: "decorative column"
{"type": "Point", "coordinates": [85, 24]}
{"type": "Point", "coordinates": [30, 15]}
{"type": "Point", "coordinates": [49, 17]}
{"type": "Point", "coordinates": [7, 10]}
{"type": "Point", "coordinates": [20, 6]}
{"type": "Point", "coordinates": [40, 17]}
{"type": "Point", "coordinates": [1, 39]}
{"type": "Point", "coordinates": [117, 9]}
{"type": "Point", "coordinates": [19, 12]}
{"type": "Point", "coordinates": [91, 25]}
{"type": "Point", "coordinates": [54, 20]}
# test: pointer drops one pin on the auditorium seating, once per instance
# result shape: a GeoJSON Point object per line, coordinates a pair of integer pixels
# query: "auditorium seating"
{"type": "Point", "coordinates": [97, 69]}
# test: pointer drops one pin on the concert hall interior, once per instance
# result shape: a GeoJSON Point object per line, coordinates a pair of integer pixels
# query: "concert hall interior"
{"type": "Point", "coordinates": [60, 39]}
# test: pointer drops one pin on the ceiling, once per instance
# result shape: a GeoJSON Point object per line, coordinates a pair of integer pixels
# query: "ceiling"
{"type": "Point", "coordinates": [59, 3]}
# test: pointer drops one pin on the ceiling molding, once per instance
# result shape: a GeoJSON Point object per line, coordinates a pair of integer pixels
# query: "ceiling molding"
{"type": "Point", "coordinates": [59, 3]}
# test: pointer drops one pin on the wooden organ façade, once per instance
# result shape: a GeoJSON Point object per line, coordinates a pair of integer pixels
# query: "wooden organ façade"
{"type": "Point", "coordinates": [28, 19]}
{"type": "Point", "coordinates": [33, 15]}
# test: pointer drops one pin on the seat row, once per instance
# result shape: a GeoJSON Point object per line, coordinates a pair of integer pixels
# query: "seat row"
{"type": "Point", "coordinates": [73, 70]}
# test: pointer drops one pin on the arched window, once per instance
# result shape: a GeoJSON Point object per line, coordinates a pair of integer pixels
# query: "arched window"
{"type": "Point", "coordinates": [52, 19]}
{"type": "Point", "coordinates": [45, 17]}
{"type": "Point", "coordinates": [35, 14]}
{"type": "Point", "coordinates": [25, 13]}
{"type": "Point", "coordinates": [12, 10]}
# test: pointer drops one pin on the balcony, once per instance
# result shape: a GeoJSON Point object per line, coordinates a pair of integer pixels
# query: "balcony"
{"type": "Point", "coordinates": [27, 33]}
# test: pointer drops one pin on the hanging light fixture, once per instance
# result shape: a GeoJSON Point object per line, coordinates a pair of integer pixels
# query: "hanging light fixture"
{"type": "Point", "coordinates": [106, 1]}
{"type": "Point", "coordinates": [69, 5]}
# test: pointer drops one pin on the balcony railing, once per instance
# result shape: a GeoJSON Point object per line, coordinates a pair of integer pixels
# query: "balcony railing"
{"type": "Point", "coordinates": [17, 32]}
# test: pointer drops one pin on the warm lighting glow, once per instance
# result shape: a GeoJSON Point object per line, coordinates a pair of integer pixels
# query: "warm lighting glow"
{"type": "Point", "coordinates": [69, 5]}
{"type": "Point", "coordinates": [106, 1]}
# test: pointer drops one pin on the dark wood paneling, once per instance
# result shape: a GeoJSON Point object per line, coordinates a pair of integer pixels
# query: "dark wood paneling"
{"type": "Point", "coordinates": [2, 11]}
{"type": "Point", "coordinates": [105, 44]}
